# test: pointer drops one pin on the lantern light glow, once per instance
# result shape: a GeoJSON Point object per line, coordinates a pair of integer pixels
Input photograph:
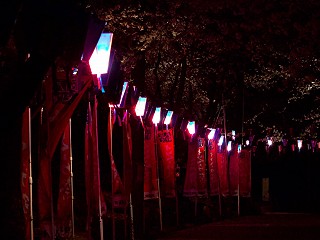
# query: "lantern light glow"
{"type": "Point", "coordinates": [220, 141]}
{"type": "Point", "coordinates": [124, 89]}
{"type": "Point", "coordinates": [191, 127]}
{"type": "Point", "coordinates": [299, 144]}
{"type": "Point", "coordinates": [156, 115]}
{"type": "Point", "coordinates": [229, 146]}
{"type": "Point", "coordinates": [211, 133]}
{"type": "Point", "coordinates": [168, 118]}
{"type": "Point", "coordinates": [99, 60]}
{"type": "Point", "coordinates": [269, 142]}
{"type": "Point", "coordinates": [239, 148]}
{"type": "Point", "coordinates": [140, 107]}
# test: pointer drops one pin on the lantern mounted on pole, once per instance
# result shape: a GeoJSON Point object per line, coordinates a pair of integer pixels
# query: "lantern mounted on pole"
{"type": "Point", "coordinates": [156, 115]}
{"type": "Point", "coordinates": [140, 106]}
{"type": "Point", "coordinates": [211, 133]}
{"type": "Point", "coordinates": [229, 146]}
{"type": "Point", "coordinates": [168, 118]}
{"type": "Point", "coordinates": [299, 142]}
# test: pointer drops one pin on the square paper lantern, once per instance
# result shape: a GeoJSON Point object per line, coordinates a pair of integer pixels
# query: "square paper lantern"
{"type": "Point", "coordinates": [99, 60]}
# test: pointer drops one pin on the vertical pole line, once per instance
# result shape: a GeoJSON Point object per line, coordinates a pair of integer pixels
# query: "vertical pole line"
{"type": "Point", "coordinates": [238, 184]}
{"type": "Point", "coordinates": [176, 187]}
{"type": "Point", "coordinates": [158, 173]}
{"type": "Point", "coordinates": [242, 122]}
{"type": "Point", "coordinates": [71, 180]}
{"type": "Point", "coordinates": [143, 204]}
{"type": "Point", "coordinates": [30, 176]}
{"type": "Point", "coordinates": [112, 175]}
{"type": "Point", "coordinates": [97, 149]}
{"type": "Point", "coordinates": [124, 140]}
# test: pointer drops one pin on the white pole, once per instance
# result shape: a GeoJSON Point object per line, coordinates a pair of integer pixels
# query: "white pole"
{"type": "Point", "coordinates": [30, 175]}
{"type": "Point", "coordinates": [238, 185]}
{"type": "Point", "coordinates": [112, 176]}
{"type": "Point", "coordinates": [71, 182]}
{"type": "Point", "coordinates": [99, 197]}
{"type": "Point", "coordinates": [158, 173]}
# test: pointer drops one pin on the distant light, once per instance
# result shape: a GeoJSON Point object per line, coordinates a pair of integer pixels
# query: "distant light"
{"type": "Point", "coordinates": [247, 142]}
{"type": "Point", "coordinates": [233, 133]}
{"type": "Point", "coordinates": [99, 60]}
{"type": "Point", "coordinates": [168, 118]}
{"type": "Point", "coordinates": [156, 115]}
{"type": "Point", "coordinates": [191, 127]}
{"type": "Point", "coordinates": [220, 141]}
{"type": "Point", "coordinates": [229, 146]}
{"type": "Point", "coordinates": [299, 144]}
{"type": "Point", "coordinates": [211, 133]}
{"type": "Point", "coordinates": [239, 148]}
{"type": "Point", "coordinates": [140, 107]}
{"type": "Point", "coordinates": [269, 142]}
{"type": "Point", "coordinates": [74, 71]}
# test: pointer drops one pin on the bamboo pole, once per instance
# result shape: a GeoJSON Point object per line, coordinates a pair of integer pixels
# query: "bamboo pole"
{"type": "Point", "coordinates": [158, 174]}
{"type": "Point", "coordinates": [97, 148]}
{"type": "Point", "coordinates": [71, 181]}
{"type": "Point", "coordinates": [30, 176]}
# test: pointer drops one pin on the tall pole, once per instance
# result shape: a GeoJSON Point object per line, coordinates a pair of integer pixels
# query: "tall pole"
{"type": "Point", "coordinates": [30, 176]}
{"type": "Point", "coordinates": [158, 173]}
{"type": "Point", "coordinates": [238, 184]}
{"type": "Point", "coordinates": [112, 175]}
{"type": "Point", "coordinates": [71, 182]}
{"type": "Point", "coordinates": [97, 149]}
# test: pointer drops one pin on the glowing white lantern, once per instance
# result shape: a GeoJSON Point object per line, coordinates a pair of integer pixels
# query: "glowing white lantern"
{"type": "Point", "coordinates": [99, 60]}
{"type": "Point", "coordinates": [156, 115]}
{"type": "Point", "coordinates": [229, 146]}
{"type": "Point", "coordinates": [191, 127]}
{"type": "Point", "coordinates": [220, 141]}
{"type": "Point", "coordinates": [299, 144]}
{"type": "Point", "coordinates": [211, 133]}
{"type": "Point", "coordinates": [140, 107]}
{"type": "Point", "coordinates": [168, 118]}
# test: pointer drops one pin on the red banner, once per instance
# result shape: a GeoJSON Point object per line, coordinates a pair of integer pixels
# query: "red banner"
{"type": "Point", "coordinates": [196, 181]}
{"type": "Point", "coordinates": [201, 166]}
{"type": "Point", "coordinates": [222, 160]}
{"type": "Point", "coordinates": [245, 173]}
{"type": "Point", "coordinates": [25, 171]}
{"type": "Point", "coordinates": [92, 168]}
{"type": "Point", "coordinates": [213, 168]}
{"type": "Point", "coordinates": [55, 118]}
{"type": "Point", "coordinates": [166, 152]}
{"type": "Point", "coordinates": [127, 156]}
{"type": "Point", "coordinates": [64, 211]}
{"type": "Point", "coordinates": [150, 164]}
{"type": "Point", "coordinates": [234, 173]}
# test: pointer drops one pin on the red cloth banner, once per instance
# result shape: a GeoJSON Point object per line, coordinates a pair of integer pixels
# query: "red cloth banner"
{"type": "Point", "coordinates": [234, 173]}
{"type": "Point", "coordinates": [213, 168]}
{"type": "Point", "coordinates": [64, 211]}
{"type": "Point", "coordinates": [92, 167]}
{"type": "Point", "coordinates": [222, 160]}
{"type": "Point", "coordinates": [201, 165]}
{"type": "Point", "coordinates": [25, 171]}
{"type": "Point", "coordinates": [150, 164]}
{"type": "Point", "coordinates": [245, 172]}
{"type": "Point", "coordinates": [55, 118]}
{"type": "Point", "coordinates": [196, 181]}
{"type": "Point", "coordinates": [166, 152]}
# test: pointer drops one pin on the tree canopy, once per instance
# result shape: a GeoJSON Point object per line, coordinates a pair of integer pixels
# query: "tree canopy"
{"type": "Point", "coordinates": [261, 56]}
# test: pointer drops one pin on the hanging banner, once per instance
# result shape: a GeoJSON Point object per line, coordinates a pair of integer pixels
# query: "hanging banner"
{"type": "Point", "coordinates": [234, 172]}
{"type": "Point", "coordinates": [56, 115]}
{"type": "Point", "coordinates": [150, 165]}
{"type": "Point", "coordinates": [213, 168]}
{"type": "Point", "coordinates": [25, 172]}
{"type": "Point", "coordinates": [222, 160]}
{"type": "Point", "coordinates": [92, 168]}
{"type": "Point", "coordinates": [127, 156]}
{"type": "Point", "coordinates": [201, 165]}
{"type": "Point", "coordinates": [64, 211]}
{"type": "Point", "coordinates": [245, 172]}
{"type": "Point", "coordinates": [196, 181]}
{"type": "Point", "coordinates": [166, 152]}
